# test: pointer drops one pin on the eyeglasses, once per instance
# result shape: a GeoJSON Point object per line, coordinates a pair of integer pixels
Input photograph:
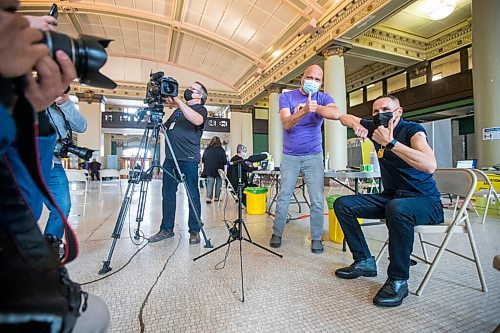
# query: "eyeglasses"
{"type": "Point", "coordinates": [195, 90]}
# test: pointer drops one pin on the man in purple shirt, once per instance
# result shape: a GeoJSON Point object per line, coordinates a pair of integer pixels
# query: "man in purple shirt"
{"type": "Point", "coordinates": [301, 113]}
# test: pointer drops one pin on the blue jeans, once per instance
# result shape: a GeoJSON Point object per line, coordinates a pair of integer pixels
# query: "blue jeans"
{"type": "Point", "coordinates": [169, 191]}
{"type": "Point", "coordinates": [210, 187]}
{"type": "Point", "coordinates": [402, 211]}
{"type": "Point", "coordinates": [312, 168]}
{"type": "Point", "coordinates": [59, 188]}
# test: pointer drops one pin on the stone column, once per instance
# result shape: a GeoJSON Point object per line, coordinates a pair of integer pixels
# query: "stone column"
{"type": "Point", "coordinates": [92, 138]}
{"type": "Point", "coordinates": [106, 150]}
{"type": "Point", "coordinates": [275, 128]}
{"type": "Point", "coordinates": [486, 77]}
{"type": "Point", "coordinates": [334, 85]}
{"type": "Point", "coordinates": [241, 129]}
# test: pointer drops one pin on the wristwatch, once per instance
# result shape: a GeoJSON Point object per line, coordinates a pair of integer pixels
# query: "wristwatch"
{"type": "Point", "coordinates": [391, 144]}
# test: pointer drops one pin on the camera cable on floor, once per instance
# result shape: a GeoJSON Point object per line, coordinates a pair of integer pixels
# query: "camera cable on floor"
{"type": "Point", "coordinates": [143, 305]}
{"type": "Point", "coordinates": [132, 257]}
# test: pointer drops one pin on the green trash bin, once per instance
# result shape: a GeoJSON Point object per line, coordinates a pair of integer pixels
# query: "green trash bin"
{"type": "Point", "coordinates": [256, 200]}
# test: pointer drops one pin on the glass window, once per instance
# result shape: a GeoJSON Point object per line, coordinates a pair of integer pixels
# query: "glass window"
{"type": "Point", "coordinates": [396, 83]}
{"type": "Point", "coordinates": [356, 97]}
{"type": "Point", "coordinates": [445, 66]}
{"type": "Point", "coordinates": [261, 113]}
{"type": "Point", "coordinates": [469, 54]}
{"type": "Point", "coordinates": [374, 90]}
{"type": "Point", "coordinates": [419, 80]}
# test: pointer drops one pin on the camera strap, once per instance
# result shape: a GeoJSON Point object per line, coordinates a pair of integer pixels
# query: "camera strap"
{"type": "Point", "coordinates": [27, 132]}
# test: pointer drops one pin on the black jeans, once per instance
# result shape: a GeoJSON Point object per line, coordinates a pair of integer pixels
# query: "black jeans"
{"type": "Point", "coordinates": [402, 211]}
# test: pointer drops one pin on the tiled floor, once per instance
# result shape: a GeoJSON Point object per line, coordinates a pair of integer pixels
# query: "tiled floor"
{"type": "Point", "coordinates": [163, 290]}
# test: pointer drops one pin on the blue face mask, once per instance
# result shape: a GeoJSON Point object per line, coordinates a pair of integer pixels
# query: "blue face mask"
{"type": "Point", "coordinates": [311, 86]}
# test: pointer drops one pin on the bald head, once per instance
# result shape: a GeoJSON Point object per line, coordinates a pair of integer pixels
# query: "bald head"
{"type": "Point", "coordinates": [314, 70]}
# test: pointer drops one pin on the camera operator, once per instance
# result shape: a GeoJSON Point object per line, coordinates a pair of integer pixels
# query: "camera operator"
{"type": "Point", "coordinates": [184, 130]}
{"type": "Point", "coordinates": [39, 295]}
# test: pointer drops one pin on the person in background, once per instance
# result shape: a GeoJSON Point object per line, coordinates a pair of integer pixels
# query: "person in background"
{"type": "Point", "coordinates": [94, 168]}
{"type": "Point", "coordinates": [214, 158]}
{"type": "Point", "coordinates": [232, 171]}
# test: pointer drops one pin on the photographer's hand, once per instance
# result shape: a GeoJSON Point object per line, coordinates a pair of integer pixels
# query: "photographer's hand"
{"type": "Point", "coordinates": [44, 23]}
{"type": "Point", "coordinates": [19, 50]}
{"type": "Point", "coordinates": [51, 82]}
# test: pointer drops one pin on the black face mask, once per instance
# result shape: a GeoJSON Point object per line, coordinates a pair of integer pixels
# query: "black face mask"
{"type": "Point", "coordinates": [382, 119]}
{"type": "Point", "coordinates": [188, 94]}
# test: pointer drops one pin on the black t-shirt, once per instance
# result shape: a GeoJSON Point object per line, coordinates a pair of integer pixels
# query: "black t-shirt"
{"type": "Point", "coordinates": [397, 175]}
{"type": "Point", "coordinates": [184, 136]}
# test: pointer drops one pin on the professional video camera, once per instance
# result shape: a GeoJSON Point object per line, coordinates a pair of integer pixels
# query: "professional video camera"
{"type": "Point", "coordinates": [157, 88]}
{"type": "Point", "coordinates": [66, 145]}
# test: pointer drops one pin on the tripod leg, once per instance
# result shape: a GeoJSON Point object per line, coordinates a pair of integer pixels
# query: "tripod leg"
{"type": "Point", "coordinates": [241, 271]}
{"type": "Point", "coordinates": [119, 225]}
{"type": "Point", "coordinates": [249, 240]}
{"type": "Point", "coordinates": [229, 241]}
{"type": "Point", "coordinates": [141, 206]}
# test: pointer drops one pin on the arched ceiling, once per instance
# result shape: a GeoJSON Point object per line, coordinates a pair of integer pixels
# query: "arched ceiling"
{"type": "Point", "coordinates": [238, 47]}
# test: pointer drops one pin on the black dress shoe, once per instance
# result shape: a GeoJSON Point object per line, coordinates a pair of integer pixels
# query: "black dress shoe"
{"type": "Point", "coordinates": [392, 293]}
{"type": "Point", "coordinates": [365, 267]}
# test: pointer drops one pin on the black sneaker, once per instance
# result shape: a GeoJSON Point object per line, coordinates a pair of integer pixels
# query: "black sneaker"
{"type": "Point", "coordinates": [275, 241]}
{"type": "Point", "coordinates": [56, 244]}
{"type": "Point", "coordinates": [194, 238]}
{"type": "Point", "coordinates": [161, 235]}
{"type": "Point", "coordinates": [316, 246]}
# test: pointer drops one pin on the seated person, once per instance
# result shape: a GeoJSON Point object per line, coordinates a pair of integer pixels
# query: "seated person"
{"type": "Point", "coordinates": [410, 196]}
{"type": "Point", "coordinates": [232, 171]}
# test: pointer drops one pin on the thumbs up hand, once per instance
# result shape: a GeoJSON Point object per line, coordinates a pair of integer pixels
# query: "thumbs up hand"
{"type": "Point", "coordinates": [311, 105]}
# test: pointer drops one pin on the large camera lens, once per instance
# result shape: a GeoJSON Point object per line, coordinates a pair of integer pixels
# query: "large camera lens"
{"type": "Point", "coordinates": [169, 87]}
{"type": "Point", "coordinates": [82, 152]}
{"type": "Point", "coordinates": [87, 53]}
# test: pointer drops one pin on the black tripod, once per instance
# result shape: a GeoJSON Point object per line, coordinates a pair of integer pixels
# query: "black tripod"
{"type": "Point", "coordinates": [236, 232]}
{"type": "Point", "coordinates": [150, 137]}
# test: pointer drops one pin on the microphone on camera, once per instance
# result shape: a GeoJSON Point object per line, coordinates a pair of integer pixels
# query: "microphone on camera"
{"type": "Point", "coordinates": [251, 159]}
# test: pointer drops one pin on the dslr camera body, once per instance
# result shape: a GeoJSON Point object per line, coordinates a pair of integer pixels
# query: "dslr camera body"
{"type": "Point", "coordinates": [66, 145]}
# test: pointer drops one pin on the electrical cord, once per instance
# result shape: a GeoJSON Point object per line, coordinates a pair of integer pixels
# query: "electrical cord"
{"type": "Point", "coordinates": [141, 320]}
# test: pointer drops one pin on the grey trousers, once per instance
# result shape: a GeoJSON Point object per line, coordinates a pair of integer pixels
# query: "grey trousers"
{"type": "Point", "coordinates": [312, 168]}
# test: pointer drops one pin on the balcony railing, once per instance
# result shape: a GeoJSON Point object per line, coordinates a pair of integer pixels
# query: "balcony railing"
{"type": "Point", "coordinates": [127, 120]}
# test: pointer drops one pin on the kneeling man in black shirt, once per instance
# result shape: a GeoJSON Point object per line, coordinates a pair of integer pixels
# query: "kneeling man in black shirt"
{"type": "Point", "coordinates": [410, 196]}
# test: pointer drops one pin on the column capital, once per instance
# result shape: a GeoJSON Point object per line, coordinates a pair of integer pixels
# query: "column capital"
{"type": "Point", "coordinates": [247, 108]}
{"type": "Point", "coordinates": [337, 48]}
{"type": "Point", "coordinates": [90, 97]}
{"type": "Point", "coordinates": [275, 88]}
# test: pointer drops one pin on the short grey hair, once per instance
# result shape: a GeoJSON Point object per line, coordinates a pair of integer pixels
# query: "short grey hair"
{"type": "Point", "coordinates": [240, 148]}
